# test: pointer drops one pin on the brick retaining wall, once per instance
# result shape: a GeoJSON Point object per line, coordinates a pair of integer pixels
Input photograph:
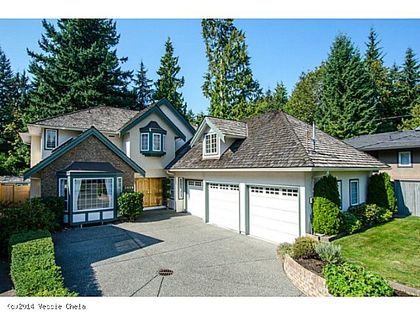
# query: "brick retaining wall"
{"type": "Point", "coordinates": [306, 281]}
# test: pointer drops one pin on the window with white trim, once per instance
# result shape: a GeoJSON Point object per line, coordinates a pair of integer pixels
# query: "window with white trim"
{"type": "Point", "coordinates": [340, 192]}
{"type": "Point", "coordinates": [119, 185]}
{"type": "Point", "coordinates": [210, 143]}
{"type": "Point", "coordinates": [354, 192]}
{"type": "Point", "coordinates": [93, 194]}
{"type": "Point", "coordinates": [51, 140]}
{"type": "Point", "coordinates": [404, 159]}
{"type": "Point", "coordinates": [63, 191]}
{"type": "Point", "coordinates": [180, 188]}
{"type": "Point", "coordinates": [144, 145]}
{"type": "Point", "coordinates": [157, 142]}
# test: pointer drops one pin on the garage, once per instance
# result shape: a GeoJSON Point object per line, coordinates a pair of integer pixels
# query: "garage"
{"type": "Point", "coordinates": [195, 198]}
{"type": "Point", "coordinates": [224, 205]}
{"type": "Point", "coordinates": [274, 213]}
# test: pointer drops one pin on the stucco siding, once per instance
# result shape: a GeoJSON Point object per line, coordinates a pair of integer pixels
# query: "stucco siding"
{"type": "Point", "coordinates": [390, 157]}
{"type": "Point", "coordinates": [35, 150]}
{"type": "Point", "coordinates": [172, 117]}
{"type": "Point", "coordinates": [153, 165]}
{"type": "Point", "coordinates": [63, 136]}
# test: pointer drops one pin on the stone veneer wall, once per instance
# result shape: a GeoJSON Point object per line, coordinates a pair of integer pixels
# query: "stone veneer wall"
{"type": "Point", "coordinates": [90, 150]}
{"type": "Point", "coordinates": [305, 280]}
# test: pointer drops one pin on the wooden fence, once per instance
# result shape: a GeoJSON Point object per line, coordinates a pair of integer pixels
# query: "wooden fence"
{"type": "Point", "coordinates": [408, 197]}
{"type": "Point", "coordinates": [14, 193]}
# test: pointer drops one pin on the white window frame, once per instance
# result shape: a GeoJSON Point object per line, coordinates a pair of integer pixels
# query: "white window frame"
{"type": "Point", "coordinates": [74, 201]}
{"type": "Point", "coordinates": [400, 159]}
{"type": "Point", "coordinates": [54, 131]}
{"type": "Point", "coordinates": [181, 188]}
{"type": "Point", "coordinates": [153, 142]}
{"type": "Point", "coordinates": [350, 192]}
{"type": "Point", "coordinates": [209, 137]}
{"type": "Point", "coordinates": [141, 141]}
{"type": "Point", "coordinates": [62, 181]}
{"type": "Point", "coordinates": [340, 192]}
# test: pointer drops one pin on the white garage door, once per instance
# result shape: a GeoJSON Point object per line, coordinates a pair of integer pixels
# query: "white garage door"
{"type": "Point", "coordinates": [274, 213]}
{"type": "Point", "coordinates": [224, 205]}
{"type": "Point", "coordinates": [195, 198]}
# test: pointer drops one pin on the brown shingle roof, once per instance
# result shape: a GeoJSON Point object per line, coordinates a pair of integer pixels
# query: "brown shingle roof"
{"type": "Point", "coordinates": [277, 140]}
{"type": "Point", "coordinates": [103, 118]}
{"type": "Point", "coordinates": [230, 127]}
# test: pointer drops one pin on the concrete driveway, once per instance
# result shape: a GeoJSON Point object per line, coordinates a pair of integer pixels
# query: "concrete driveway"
{"type": "Point", "coordinates": [124, 259]}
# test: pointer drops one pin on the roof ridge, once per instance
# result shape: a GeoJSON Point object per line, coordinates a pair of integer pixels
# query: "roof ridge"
{"type": "Point", "coordinates": [286, 116]}
{"type": "Point", "coordinates": [78, 111]}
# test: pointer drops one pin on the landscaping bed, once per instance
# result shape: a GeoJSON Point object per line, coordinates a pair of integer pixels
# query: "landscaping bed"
{"type": "Point", "coordinates": [324, 272]}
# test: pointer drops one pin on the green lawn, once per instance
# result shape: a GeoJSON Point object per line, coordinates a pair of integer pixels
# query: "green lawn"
{"type": "Point", "coordinates": [391, 250]}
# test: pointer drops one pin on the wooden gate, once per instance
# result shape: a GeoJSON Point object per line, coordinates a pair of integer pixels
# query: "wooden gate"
{"type": "Point", "coordinates": [14, 193]}
{"type": "Point", "coordinates": [152, 189]}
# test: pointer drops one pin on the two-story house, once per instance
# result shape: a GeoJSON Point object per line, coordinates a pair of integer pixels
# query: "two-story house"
{"type": "Point", "coordinates": [90, 156]}
{"type": "Point", "coordinates": [401, 151]}
{"type": "Point", "coordinates": [254, 176]}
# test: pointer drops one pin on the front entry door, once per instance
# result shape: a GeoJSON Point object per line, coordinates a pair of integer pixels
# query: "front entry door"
{"type": "Point", "coordinates": [152, 189]}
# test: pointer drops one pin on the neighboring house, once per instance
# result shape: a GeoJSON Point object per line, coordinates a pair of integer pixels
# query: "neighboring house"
{"type": "Point", "coordinates": [254, 176]}
{"type": "Point", "coordinates": [257, 176]}
{"type": "Point", "coordinates": [401, 151]}
{"type": "Point", "coordinates": [90, 156]}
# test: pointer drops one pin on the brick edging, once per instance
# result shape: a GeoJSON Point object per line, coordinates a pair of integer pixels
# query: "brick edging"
{"type": "Point", "coordinates": [305, 280]}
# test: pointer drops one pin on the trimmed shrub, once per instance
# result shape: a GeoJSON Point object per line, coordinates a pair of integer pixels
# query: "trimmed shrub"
{"type": "Point", "coordinates": [303, 247]}
{"type": "Point", "coordinates": [328, 252]}
{"type": "Point", "coordinates": [130, 204]}
{"type": "Point", "coordinates": [32, 268]}
{"type": "Point", "coordinates": [327, 187]}
{"type": "Point", "coordinates": [350, 279]}
{"type": "Point", "coordinates": [350, 223]}
{"type": "Point", "coordinates": [371, 214]}
{"type": "Point", "coordinates": [326, 216]}
{"type": "Point", "coordinates": [284, 248]}
{"type": "Point", "coordinates": [381, 193]}
{"type": "Point", "coordinates": [56, 206]}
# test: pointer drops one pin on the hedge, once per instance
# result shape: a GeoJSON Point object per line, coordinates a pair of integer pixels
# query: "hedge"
{"type": "Point", "coordinates": [327, 187]}
{"type": "Point", "coordinates": [381, 192]}
{"type": "Point", "coordinates": [326, 216]}
{"type": "Point", "coordinates": [32, 268]}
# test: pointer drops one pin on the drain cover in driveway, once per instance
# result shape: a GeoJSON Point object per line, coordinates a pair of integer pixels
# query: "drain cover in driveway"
{"type": "Point", "coordinates": [165, 272]}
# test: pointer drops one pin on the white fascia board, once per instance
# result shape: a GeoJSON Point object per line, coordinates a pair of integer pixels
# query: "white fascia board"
{"type": "Point", "coordinates": [291, 169]}
{"type": "Point", "coordinates": [285, 169]}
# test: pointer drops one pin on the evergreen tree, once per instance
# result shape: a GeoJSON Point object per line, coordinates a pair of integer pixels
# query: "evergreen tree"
{"type": "Point", "coordinates": [271, 101]}
{"type": "Point", "coordinates": [78, 68]}
{"type": "Point", "coordinates": [7, 91]}
{"type": "Point", "coordinates": [228, 83]}
{"type": "Point", "coordinates": [143, 88]}
{"type": "Point", "coordinates": [410, 78]}
{"type": "Point", "coordinates": [168, 83]}
{"type": "Point", "coordinates": [347, 108]}
{"type": "Point", "coordinates": [306, 97]}
{"type": "Point", "coordinates": [381, 83]}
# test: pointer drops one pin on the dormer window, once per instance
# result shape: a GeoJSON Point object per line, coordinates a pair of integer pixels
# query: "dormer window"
{"type": "Point", "coordinates": [51, 139]}
{"type": "Point", "coordinates": [152, 140]}
{"type": "Point", "coordinates": [210, 143]}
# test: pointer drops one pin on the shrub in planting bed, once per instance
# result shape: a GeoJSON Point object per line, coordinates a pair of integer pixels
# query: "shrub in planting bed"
{"type": "Point", "coordinates": [130, 204]}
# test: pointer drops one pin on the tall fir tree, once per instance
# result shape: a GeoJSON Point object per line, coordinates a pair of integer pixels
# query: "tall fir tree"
{"type": "Point", "coordinates": [271, 101]}
{"type": "Point", "coordinates": [168, 84]}
{"type": "Point", "coordinates": [78, 68]}
{"type": "Point", "coordinates": [228, 83]}
{"type": "Point", "coordinates": [7, 91]}
{"type": "Point", "coordinates": [347, 108]}
{"type": "Point", "coordinates": [306, 96]}
{"type": "Point", "coordinates": [381, 83]}
{"type": "Point", "coordinates": [143, 88]}
{"type": "Point", "coordinates": [410, 79]}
